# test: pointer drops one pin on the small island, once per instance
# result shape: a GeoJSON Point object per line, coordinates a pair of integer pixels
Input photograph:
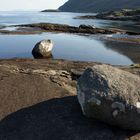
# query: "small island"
{"type": "Point", "coordinates": [51, 10]}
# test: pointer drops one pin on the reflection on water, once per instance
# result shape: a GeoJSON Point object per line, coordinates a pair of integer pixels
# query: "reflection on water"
{"type": "Point", "coordinates": [71, 47]}
{"type": "Point", "coordinates": [129, 50]}
{"type": "Point", "coordinates": [125, 25]}
{"type": "Point", "coordinates": [68, 46]}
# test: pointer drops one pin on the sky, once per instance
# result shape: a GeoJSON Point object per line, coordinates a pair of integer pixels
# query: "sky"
{"type": "Point", "coordinates": [11, 5]}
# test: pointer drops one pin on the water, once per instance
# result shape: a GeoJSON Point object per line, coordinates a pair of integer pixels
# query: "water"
{"type": "Point", "coordinates": [26, 17]}
{"type": "Point", "coordinates": [66, 46]}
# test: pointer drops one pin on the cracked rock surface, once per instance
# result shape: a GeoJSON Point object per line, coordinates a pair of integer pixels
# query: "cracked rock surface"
{"type": "Point", "coordinates": [26, 82]}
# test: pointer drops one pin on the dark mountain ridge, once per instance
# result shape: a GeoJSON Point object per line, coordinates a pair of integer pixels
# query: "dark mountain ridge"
{"type": "Point", "coordinates": [98, 5]}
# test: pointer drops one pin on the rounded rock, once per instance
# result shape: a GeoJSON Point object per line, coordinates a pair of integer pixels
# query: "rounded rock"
{"type": "Point", "coordinates": [43, 49]}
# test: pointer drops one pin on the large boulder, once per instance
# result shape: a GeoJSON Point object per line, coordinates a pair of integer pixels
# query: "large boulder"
{"type": "Point", "coordinates": [110, 95]}
{"type": "Point", "coordinates": [43, 49]}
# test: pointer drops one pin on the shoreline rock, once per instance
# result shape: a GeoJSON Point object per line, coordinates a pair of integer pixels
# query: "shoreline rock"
{"type": "Point", "coordinates": [68, 29]}
{"type": "Point", "coordinates": [11, 69]}
{"type": "Point", "coordinates": [62, 28]}
{"type": "Point", "coordinates": [39, 100]}
{"type": "Point", "coordinates": [110, 95]}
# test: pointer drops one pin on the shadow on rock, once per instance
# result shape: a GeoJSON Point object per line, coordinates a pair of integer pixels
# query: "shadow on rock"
{"type": "Point", "coordinates": [50, 56]}
{"type": "Point", "coordinates": [56, 119]}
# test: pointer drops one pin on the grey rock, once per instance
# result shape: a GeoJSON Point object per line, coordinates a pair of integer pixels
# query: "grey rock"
{"type": "Point", "coordinates": [110, 95]}
{"type": "Point", "coordinates": [43, 49]}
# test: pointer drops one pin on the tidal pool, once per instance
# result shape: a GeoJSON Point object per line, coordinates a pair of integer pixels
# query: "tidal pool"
{"type": "Point", "coordinates": [71, 47]}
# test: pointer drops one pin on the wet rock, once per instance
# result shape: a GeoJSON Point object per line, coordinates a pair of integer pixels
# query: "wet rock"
{"type": "Point", "coordinates": [87, 26]}
{"type": "Point", "coordinates": [110, 95]}
{"type": "Point", "coordinates": [49, 27]}
{"type": "Point", "coordinates": [43, 49]}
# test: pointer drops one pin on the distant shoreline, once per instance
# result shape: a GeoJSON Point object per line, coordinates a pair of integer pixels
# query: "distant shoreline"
{"type": "Point", "coordinates": [51, 10]}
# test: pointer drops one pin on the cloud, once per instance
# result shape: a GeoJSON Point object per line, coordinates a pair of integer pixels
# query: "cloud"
{"type": "Point", "coordinates": [30, 4]}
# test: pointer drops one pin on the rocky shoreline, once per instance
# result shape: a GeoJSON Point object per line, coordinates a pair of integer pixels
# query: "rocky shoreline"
{"type": "Point", "coordinates": [40, 95]}
{"type": "Point", "coordinates": [123, 15]}
{"type": "Point", "coordinates": [38, 28]}
{"type": "Point", "coordinates": [60, 28]}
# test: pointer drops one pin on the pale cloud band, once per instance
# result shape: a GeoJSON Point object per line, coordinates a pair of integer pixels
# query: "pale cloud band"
{"type": "Point", "coordinates": [7, 5]}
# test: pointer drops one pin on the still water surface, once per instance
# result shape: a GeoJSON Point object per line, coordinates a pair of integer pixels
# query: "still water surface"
{"type": "Point", "coordinates": [67, 46]}
{"type": "Point", "coordinates": [12, 18]}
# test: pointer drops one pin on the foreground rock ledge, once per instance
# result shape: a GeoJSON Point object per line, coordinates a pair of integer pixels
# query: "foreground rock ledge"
{"type": "Point", "coordinates": [110, 95]}
{"type": "Point", "coordinates": [38, 102]}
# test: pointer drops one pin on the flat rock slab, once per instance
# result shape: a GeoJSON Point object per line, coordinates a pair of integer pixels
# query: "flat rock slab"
{"type": "Point", "coordinates": [26, 82]}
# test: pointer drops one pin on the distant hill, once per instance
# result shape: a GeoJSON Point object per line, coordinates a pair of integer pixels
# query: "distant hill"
{"type": "Point", "coordinates": [98, 5]}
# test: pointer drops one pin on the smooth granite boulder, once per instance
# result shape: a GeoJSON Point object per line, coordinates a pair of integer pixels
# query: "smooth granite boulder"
{"type": "Point", "coordinates": [43, 49]}
{"type": "Point", "coordinates": [110, 95]}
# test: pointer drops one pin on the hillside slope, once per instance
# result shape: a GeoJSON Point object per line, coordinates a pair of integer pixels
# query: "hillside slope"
{"type": "Point", "coordinates": [98, 5]}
